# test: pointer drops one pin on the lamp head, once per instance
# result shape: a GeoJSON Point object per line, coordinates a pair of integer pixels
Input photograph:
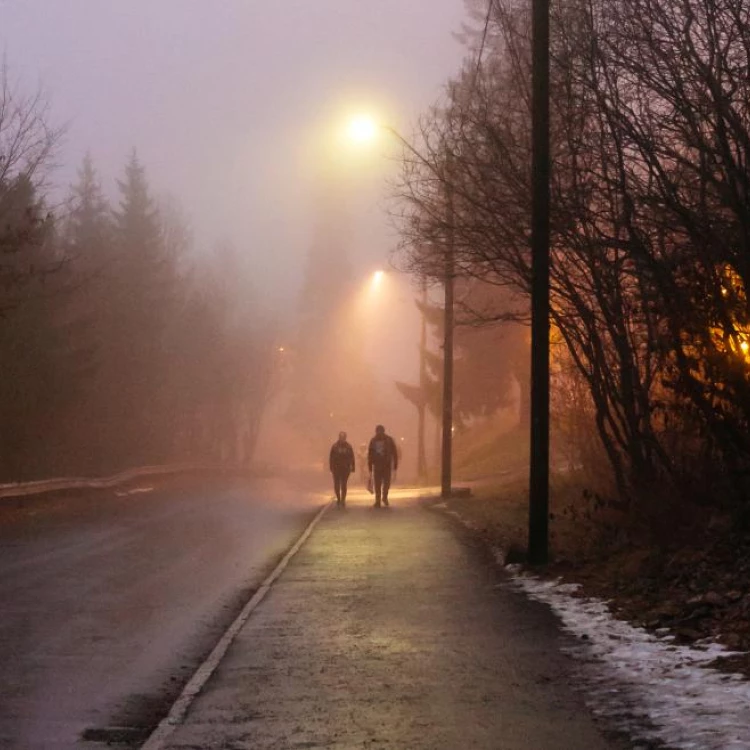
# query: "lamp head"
{"type": "Point", "coordinates": [362, 129]}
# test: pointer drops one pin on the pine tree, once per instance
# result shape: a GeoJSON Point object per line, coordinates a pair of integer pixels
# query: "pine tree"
{"type": "Point", "coordinates": [89, 227]}
{"type": "Point", "coordinates": [332, 388]}
{"type": "Point", "coordinates": [142, 300]}
{"type": "Point", "coordinates": [138, 239]}
{"type": "Point", "coordinates": [88, 280]}
{"type": "Point", "coordinates": [34, 375]}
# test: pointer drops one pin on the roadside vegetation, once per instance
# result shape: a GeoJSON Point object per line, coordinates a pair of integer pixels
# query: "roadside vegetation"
{"type": "Point", "coordinates": [119, 347]}
{"type": "Point", "coordinates": [650, 244]}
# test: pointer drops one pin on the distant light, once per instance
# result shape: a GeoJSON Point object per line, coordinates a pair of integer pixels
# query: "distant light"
{"type": "Point", "coordinates": [377, 277]}
{"type": "Point", "coordinates": [362, 129]}
{"type": "Point", "coordinates": [744, 346]}
{"type": "Point", "coordinates": [281, 348]}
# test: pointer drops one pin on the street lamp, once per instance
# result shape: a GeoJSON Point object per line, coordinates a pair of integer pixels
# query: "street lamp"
{"type": "Point", "coordinates": [363, 128]}
{"type": "Point", "coordinates": [422, 403]}
{"type": "Point", "coordinates": [446, 463]}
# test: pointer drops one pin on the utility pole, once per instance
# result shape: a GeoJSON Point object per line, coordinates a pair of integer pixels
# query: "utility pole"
{"type": "Point", "coordinates": [540, 262]}
{"type": "Point", "coordinates": [449, 270]}
{"type": "Point", "coordinates": [422, 404]}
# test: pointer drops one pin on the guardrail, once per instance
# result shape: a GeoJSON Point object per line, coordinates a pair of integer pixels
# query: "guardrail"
{"type": "Point", "coordinates": [22, 489]}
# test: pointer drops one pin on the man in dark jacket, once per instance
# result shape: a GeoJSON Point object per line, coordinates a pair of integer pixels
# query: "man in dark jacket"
{"type": "Point", "coordinates": [341, 463]}
{"type": "Point", "coordinates": [382, 457]}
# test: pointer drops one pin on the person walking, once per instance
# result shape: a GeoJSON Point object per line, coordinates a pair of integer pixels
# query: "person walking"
{"type": "Point", "coordinates": [362, 458]}
{"type": "Point", "coordinates": [382, 458]}
{"type": "Point", "coordinates": [341, 463]}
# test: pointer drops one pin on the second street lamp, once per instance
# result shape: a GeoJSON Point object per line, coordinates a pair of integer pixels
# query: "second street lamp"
{"type": "Point", "coordinates": [446, 463]}
{"type": "Point", "coordinates": [362, 129]}
{"type": "Point", "coordinates": [422, 403]}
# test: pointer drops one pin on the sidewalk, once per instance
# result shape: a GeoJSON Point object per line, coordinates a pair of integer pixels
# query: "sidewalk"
{"type": "Point", "coordinates": [387, 631]}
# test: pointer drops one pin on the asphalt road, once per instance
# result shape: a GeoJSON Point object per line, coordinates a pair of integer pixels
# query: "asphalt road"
{"type": "Point", "coordinates": [110, 602]}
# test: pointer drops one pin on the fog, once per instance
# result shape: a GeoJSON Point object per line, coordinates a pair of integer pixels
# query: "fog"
{"type": "Point", "coordinates": [225, 102]}
{"type": "Point", "coordinates": [235, 113]}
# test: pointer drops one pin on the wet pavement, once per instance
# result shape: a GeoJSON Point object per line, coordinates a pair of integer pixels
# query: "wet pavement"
{"type": "Point", "coordinates": [389, 629]}
{"type": "Point", "coordinates": [110, 602]}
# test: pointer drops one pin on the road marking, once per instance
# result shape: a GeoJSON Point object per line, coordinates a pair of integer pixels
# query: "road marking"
{"type": "Point", "coordinates": [180, 707]}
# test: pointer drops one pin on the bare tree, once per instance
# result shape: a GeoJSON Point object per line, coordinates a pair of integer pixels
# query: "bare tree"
{"type": "Point", "coordinates": [27, 143]}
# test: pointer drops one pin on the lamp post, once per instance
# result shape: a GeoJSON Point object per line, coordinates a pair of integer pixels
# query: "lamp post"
{"type": "Point", "coordinates": [446, 462]}
{"type": "Point", "coordinates": [422, 403]}
{"type": "Point", "coordinates": [449, 272]}
{"type": "Point", "coordinates": [362, 129]}
{"type": "Point", "coordinates": [540, 235]}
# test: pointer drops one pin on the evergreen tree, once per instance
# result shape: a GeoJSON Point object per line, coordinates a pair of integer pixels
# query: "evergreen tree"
{"type": "Point", "coordinates": [142, 299]}
{"type": "Point", "coordinates": [34, 377]}
{"type": "Point", "coordinates": [24, 229]}
{"type": "Point", "coordinates": [331, 386]}
{"type": "Point", "coordinates": [89, 228]}
{"type": "Point", "coordinates": [88, 279]}
{"type": "Point", "coordinates": [488, 357]}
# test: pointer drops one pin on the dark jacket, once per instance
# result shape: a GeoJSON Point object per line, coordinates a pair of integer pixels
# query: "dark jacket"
{"type": "Point", "coordinates": [341, 458]}
{"type": "Point", "coordinates": [382, 453]}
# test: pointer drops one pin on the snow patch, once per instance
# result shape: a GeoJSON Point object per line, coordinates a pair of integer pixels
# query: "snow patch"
{"type": "Point", "coordinates": [645, 684]}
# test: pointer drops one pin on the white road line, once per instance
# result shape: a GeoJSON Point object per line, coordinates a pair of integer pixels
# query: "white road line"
{"type": "Point", "coordinates": [180, 707]}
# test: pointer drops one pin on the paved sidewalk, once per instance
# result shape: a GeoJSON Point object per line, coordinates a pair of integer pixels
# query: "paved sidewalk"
{"type": "Point", "coordinates": [387, 631]}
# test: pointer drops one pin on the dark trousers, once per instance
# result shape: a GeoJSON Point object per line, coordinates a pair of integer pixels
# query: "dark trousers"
{"type": "Point", "coordinates": [340, 479]}
{"type": "Point", "coordinates": [381, 476]}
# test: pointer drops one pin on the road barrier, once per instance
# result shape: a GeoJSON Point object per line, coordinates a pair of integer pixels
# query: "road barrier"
{"type": "Point", "coordinates": [22, 489]}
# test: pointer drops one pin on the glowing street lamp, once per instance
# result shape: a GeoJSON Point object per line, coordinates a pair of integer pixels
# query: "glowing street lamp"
{"type": "Point", "coordinates": [362, 129]}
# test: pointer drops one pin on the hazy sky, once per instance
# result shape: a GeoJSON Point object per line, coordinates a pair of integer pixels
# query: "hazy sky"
{"type": "Point", "coordinates": [227, 101]}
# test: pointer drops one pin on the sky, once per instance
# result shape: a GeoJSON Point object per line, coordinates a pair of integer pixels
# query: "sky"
{"type": "Point", "coordinates": [231, 105]}
{"type": "Point", "coordinates": [236, 108]}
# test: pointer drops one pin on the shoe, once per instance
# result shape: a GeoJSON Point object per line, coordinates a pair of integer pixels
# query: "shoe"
{"type": "Point", "coordinates": [385, 502]}
{"type": "Point", "coordinates": [377, 505]}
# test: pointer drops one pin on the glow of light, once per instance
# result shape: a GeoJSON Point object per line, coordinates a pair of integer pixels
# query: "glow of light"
{"type": "Point", "coordinates": [744, 346]}
{"type": "Point", "coordinates": [362, 129]}
{"type": "Point", "coordinates": [377, 278]}
{"type": "Point", "coordinates": [281, 348]}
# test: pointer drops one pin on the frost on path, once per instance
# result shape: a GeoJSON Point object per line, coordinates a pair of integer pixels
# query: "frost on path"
{"type": "Point", "coordinates": [646, 685]}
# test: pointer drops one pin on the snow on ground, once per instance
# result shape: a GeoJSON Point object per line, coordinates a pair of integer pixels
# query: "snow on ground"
{"type": "Point", "coordinates": [646, 685]}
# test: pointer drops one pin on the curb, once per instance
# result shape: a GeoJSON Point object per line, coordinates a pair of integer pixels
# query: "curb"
{"type": "Point", "coordinates": [180, 707]}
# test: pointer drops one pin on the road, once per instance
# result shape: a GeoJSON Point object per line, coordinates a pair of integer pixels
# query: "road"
{"type": "Point", "coordinates": [110, 601]}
